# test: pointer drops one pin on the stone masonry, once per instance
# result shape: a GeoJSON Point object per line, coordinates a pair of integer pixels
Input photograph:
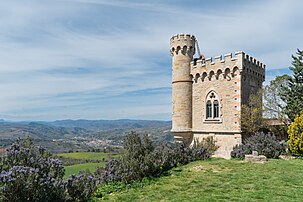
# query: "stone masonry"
{"type": "Point", "coordinates": [207, 93]}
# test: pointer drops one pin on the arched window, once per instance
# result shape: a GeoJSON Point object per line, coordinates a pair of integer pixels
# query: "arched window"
{"type": "Point", "coordinates": [212, 106]}
{"type": "Point", "coordinates": [208, 110]}
{"type": "Point", "coordinates": [216, 109]}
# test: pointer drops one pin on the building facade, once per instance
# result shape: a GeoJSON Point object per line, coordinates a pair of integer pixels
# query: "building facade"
{"type": "Point", "coordinates": [207, 93]}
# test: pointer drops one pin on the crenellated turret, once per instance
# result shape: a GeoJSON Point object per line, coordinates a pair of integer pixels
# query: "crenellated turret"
{"type": "Point", "coordinates": [182, 49]}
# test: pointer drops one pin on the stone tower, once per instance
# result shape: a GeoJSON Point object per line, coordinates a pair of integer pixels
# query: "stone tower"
{"type": "Point", "coordinates": [182, 48]}
{"type": "Point", "coordinates": [207, 94]}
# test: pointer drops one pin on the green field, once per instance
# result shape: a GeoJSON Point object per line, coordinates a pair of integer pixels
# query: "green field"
{"type": "Point", "coordinates": [74, 169]}
{"type": "Point", "coordinates": [86, 155]}
{"type": "Point", "coordinates": [223, 180]}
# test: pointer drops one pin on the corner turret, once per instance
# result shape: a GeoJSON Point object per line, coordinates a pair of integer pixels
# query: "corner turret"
{"type": "Point", "coordinates": [182, 49]}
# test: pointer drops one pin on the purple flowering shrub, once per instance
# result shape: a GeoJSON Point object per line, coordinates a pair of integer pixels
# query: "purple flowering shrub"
{"type": "Point", "coordinates": [29, 173]}
{"type": "Point", "coordinates": [80, 187]}
{"type": "Point", "coordinates": [238, 152]}
{"type": "Point", "coordinates": [264, 144]}
{"type": "Point", "coordinates": [142, 159]}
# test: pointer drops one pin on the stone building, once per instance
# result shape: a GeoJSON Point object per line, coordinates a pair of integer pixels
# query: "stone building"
{"type": "Point", "coordinates": [207, 93]}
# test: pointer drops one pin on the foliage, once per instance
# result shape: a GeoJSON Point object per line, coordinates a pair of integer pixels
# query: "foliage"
{"type": "Point", "coordinates": [251, 114]}
{"type": "Point", "coordinates": [142, 159]}
{"type": "Point", "coordinates": [209, 143]}
{"type": "Point", "coordinates": [295, 131]}
{"type": "Point", "coordinates": [238, 152]}
{"type": "Point", "coordinates": [274, 106]}
{"type": "Point", "coordinates": [29, 173]}
{"type": "Point", "coordinates": [272, 102]}
{"type": "Point", "coordinates": [264, 144]}
{"type": "Point", "coordinates": [81, 187]}
{"type": "Point", "coordinates": [292, 94]}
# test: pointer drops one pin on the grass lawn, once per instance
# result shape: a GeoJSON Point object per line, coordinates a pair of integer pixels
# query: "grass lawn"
{"type": "Point", "coordinates": [223, 180]}
{"type": "Point", "coordinates": [74, 169]}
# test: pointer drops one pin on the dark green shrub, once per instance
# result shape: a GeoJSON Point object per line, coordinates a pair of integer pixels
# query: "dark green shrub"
{"type": "Point", "coordinates": [141, 159]}
{"type": "Point", "coordinates": [264, 144]}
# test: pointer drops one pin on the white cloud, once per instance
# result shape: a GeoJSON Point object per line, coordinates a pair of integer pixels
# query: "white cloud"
{"type": "Point", "coordinates": [121, 47]}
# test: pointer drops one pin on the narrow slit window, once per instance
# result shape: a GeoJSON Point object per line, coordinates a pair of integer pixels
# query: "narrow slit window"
{"type": "Point", "coordinates": [216, 109]}
{"type": "Point", "coordinates": [208, 110]}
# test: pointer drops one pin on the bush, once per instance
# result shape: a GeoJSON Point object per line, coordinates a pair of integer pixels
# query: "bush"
{"type": "Point", "coordinates": [141, 159]}
{"type": "Point", "coordinates": [81, 187]}
{"type": "Point", "coordinates": [264, 144]}
{"type": "Point", "coordinates": [210, 144]}
{"type": "Point", "coordinates": [295, 134]}
{"type": "Point", "coordinates": [29, 173]}
{"type": "Point", "coordinates": [238, 152]}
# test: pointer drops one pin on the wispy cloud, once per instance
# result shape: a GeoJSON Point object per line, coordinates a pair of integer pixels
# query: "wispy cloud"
{"type": "Point", "coordinates": [109, 59]}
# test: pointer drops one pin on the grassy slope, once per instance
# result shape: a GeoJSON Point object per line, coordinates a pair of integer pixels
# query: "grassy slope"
{"type": "Point", "coordinates": [74, 169]}
{"type": "Point", "coordinates": [223, 180]}
{"type": "Point", "coordinates": [86, 155]}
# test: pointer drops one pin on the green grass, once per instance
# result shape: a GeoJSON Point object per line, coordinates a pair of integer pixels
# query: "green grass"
{"type": "Point", "coordinates": [86, 155]}
{"type": "Point", "coordinates": [223, 180]}
{"type": "Point", "coordinates": [74, 169]}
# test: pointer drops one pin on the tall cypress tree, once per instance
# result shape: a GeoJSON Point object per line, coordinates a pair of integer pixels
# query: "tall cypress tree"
{"type": "Point", "coordinates": [293, 93]}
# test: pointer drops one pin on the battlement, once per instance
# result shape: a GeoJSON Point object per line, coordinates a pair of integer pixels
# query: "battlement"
{"type": "Point", "coordinates": [253, 61]}
{"type": "Point", "coordinates": [178, 37]}
{"type": "Point", "coordinates": [240, 55]}
{"type": "Point", "coordinates": [253, 67]}
{"type": "Point", "coordinates": [239, 61]}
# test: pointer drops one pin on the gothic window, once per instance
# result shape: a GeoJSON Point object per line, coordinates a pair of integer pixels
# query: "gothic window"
{"type": "Point", "coordinates": [212, 106]}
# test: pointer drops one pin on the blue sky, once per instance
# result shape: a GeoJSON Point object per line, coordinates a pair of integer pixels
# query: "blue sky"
{"type": "Point", "coordinates": [95, 59]}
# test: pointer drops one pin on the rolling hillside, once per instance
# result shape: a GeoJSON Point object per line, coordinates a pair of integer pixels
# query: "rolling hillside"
{"type": "Point", "coordinates": [81, 135]}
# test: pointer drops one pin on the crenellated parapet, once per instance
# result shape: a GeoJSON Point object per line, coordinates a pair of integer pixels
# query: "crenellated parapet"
{"type": "Point", "coordinates": [227, 66]}
{"type": "Point", "coordinates": [182, 44]}
{"type": "Point", "coordinates": [253, 67]}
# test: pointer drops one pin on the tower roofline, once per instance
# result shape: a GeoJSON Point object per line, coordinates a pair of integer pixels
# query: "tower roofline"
{"type": "Point", "coordinates": [229, 56]}
{"type": "Point", "coordinates": [181, 36]}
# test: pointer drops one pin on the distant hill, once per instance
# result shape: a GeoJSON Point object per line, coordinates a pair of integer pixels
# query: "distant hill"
{"type": "Point", "coordinates": [10, 131]}
{"type": "Point", "coordinates": [104, 125]}
{"type": "Point", "coordinates": [79, 132]}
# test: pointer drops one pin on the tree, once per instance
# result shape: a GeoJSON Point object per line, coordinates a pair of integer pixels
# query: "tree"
{"type": "Point", "coordinates": [292, 94]}
{"type": "Point", "coordinates": [273, 105]}
{"type": "Point", "coordinates": [251, 114]}
{"type": "Point", "coordinates": [295, 132]}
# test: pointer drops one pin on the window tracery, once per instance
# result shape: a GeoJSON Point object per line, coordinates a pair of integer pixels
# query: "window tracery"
{"type": "Point", "coordinates": [212, 106]}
